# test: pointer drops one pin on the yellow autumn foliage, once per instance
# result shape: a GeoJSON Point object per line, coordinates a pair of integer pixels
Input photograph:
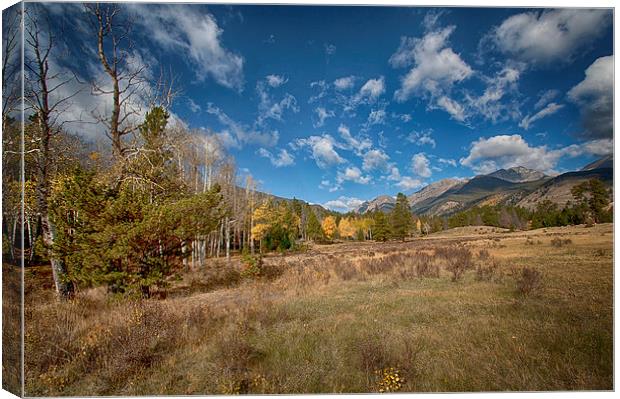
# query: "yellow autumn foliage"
{"type": "Point", "coordinates": [346, 228]}
{"type": "Point", "coordinates": [329, 227]}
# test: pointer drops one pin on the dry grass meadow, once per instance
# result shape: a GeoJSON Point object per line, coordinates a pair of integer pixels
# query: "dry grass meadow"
{"type": "Point", "coordinates": [470, 309]}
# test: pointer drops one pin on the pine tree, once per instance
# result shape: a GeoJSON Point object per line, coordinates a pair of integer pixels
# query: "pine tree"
{"type": "Point", "coordinates": [381, 230]}
{"type": "Point", "coordinates": [314, 230]}
{"type": "Point", "coordinates": [402, 219]}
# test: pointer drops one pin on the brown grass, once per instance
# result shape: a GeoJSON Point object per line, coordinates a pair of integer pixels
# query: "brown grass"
{"type": "Point", "coordinates": [336, 318]}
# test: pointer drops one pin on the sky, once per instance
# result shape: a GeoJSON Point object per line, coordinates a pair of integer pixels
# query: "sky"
{"type": "Point", "coordinates": [337, 105]}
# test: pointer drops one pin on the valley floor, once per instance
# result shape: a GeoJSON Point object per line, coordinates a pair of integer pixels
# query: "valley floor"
{"type": "Point", "coordinates": [348, 317]}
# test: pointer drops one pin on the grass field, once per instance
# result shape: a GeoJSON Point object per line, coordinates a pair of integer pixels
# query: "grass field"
{"type": "Point", "coordinates": [348, 317]}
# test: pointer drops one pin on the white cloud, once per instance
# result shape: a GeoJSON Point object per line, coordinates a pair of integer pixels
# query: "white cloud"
{"type": "Point", "coordinates": [373, 88]}
{"type": "Point", "coordinates": [227, 139]}
{"type": "Point", "coordinates": [551, 35]}
{"type": "Point", "coordinates": [322, 87]}
{"type": "Point", "coordinates": [344, 83]}
{"type": "Point", "coordinates": [354, 174]}
{"type": "Point", "coordinates": [376, 117]}
{"type": "Point", "coordinates": [594, 95]}
{"type": "Point", "coordinates": [436, 67]}
{"type": "Point", "coordinates": [420, 165]}
{"type": "Point", "coordinates": [447, 161]}
{"type": "Point", "coordinates": [357, 145]}
{"type": "Point", "coordinates": [326, 185]}
{"type": "Point", "coordinates": [282, 159]}
{"type": "Point", "coordinates": [193, 106]}
{"type": "Point", "coordinates": [456, 110]}
{"type": "Point", "coordinates": [367, 94]}
{"type": "Point", "coordinates": [195, 35]}
{"type": "Point", "coordinates": [270, 109]}
{"type": "Point", "coordinates": [550, 109]}
{"type": "Point", "coordinates": [275, 80]}
{"type": "Point", "coordinates": [375, 159]}
{"type": "Point", "coordinates": [322, 150]}
{"type": "Point", "coordinates": [394, 174]}
{"type": "Point", "coordinates": [343, 204]}
{"type": "Point", "coordinates": [322, 114]}
{"type": "Point", "coordinates": [491, 104]}
{"type": "Point", "coordinates": [546, 97]}
{"type": "Point", "coordinates": [241, 133]}
{"type": "Point", "coordinates": [487, 155]}
{"type": "Point", "coordinates": [421, 138]}
{"type": "Point", "coordinates": [408, 183]}
{"type": "Point", "coordinates": [403, 117]}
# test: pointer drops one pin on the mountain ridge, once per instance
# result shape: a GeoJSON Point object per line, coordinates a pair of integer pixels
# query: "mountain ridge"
{"type": "Point", "coordinates": [514, 186]}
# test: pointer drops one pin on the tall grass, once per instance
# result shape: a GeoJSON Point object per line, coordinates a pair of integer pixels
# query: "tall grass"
{"type": "Point", "coordinates": [348, 321]}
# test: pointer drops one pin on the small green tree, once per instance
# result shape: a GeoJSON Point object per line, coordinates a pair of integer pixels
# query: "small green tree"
{"type": "Point", "coordinates": [593, 196]}
{"type": "Point", "coordinates": [381, 230]}
{"type": "Point", "coordinates": [402, 219]}
{"type": "Point", "coordinates": [314, 230]}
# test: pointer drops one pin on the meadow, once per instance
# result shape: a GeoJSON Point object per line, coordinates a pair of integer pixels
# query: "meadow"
{"type": "Point", "coordinates": [467, 309]}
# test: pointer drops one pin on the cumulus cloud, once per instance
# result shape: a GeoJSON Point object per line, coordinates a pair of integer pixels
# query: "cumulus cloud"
{"type": "Point", "coordinates": [322, 115]}
{"type": "Point", "coordinates": [550, 109]}
{"type": "Point", "coordinates": [456, 110]}
{"type": "Point", "coordinates": [321, 88]}
{"type": "Point", "coordinates": [275, 80]}
{"type": "Point", "coordinates": [421, 138]}
{"type": "Point", "coordinates": [354, 174]}
{"type": "Point", "coordinates": [321, 149]}
{"type": "Point", "coordinates": [343, 204]}
{"type": "Point", "coordinates": [407, 183]}
{"type": "Point", "coordinates": [491, 105]}
{"type": "Point", "coordinates": [283, 158]}
{"type": "Point", "coordinates": [375, 160]}
{"type": "Point", "coordinates": [394, 174]}
{"type": "Point", "coordinates": [548, 36]}
{"type": "Point", "coordinates": [376, 117]}
{"type": "Point", "coordinates": [272, 109]}
{"type": "Point", "coordinates": [326, 185]}
{"type": "Point", "coordinates": [344, 83]}
{"type": "Point", "coordinates": [546, 97]}
{"type": "Point", "coordinates": [373, 88]}
{"type": "Point", "coordinates": [436, 67]}
{"type": "Point", "coordinates": [447, 161]}
{"type": "Point", "coordinates": [195, 35]}
{"type": "Point", "coordinates": [487, 155]}
{"type": "Point", "coordinates": [357, 145]}
{"type": "Point", "coordinates": [239, 134]}
{"type": "Point", "coordinates": [594, 95]}
{"type": "Point", "coordinates": [420, 165]}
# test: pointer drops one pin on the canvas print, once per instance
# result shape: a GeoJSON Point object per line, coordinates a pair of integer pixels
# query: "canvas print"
{"type": "Point", "coordinates": [216, 199]}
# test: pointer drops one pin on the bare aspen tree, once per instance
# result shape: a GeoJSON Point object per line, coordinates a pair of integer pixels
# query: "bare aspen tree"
{"type": "Point", "coordinates": [48, 103]}
{"type": "Point", "coordinates": [126, 73]}
{"type": "Point", "coordinates": [250, 188]}
{"type": "Point", "coordinates": [10, 65]}
{"type": "Point", "coordinates": [11, 132]}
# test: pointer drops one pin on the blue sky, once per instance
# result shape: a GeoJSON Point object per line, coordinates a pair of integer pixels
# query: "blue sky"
{"type": "Point", "coordinates": [335, 105]}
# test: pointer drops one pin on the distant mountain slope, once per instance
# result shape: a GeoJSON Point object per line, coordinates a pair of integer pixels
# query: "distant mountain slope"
{"type": "Point", "coordinates": [513, 186]}
{"type": "Point", "coordinates": [558, 189]}
{"type": "Point", "coordinates": [433, 190]}
{"type": "Point", "coordinates": [476, 191]}
{"type": "Point", "coordinates": [518, 174]}
{"type": "Point", "coordinates": [383, 203]}
{"type": "Point", "coordinates": [606, 162]}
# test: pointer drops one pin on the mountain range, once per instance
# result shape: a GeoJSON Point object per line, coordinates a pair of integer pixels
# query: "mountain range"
{"type": "Point", "coordinates": [513, 186]}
